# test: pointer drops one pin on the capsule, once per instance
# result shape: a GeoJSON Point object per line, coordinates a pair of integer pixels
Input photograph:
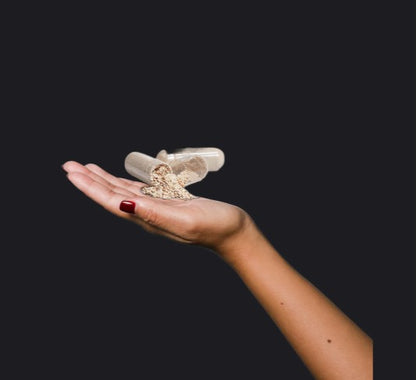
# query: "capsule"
{"type": "Point", "coordinates": [214, 157]}
{"type": "Point", "coordinates": [189, 170]}
{"type": "Point", "coordinates": [141, 166]}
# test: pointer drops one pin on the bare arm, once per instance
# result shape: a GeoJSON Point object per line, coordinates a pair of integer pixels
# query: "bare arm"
{"type": "Point", "coordinates": [326, 340]}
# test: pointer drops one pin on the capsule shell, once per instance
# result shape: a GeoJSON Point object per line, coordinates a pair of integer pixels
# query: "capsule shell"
{"type": "Point", "coordinates": [190, 170]}
{"type": "Point", "coordinates": [214, 157]}
{"type": "Point", "coordinates": [141, 166]}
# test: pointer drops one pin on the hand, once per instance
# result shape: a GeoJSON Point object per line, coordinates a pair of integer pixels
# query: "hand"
{"type": "Point", "coordinates": [310, 322]}
{"type": "Point", "coordinates": [197, 221]}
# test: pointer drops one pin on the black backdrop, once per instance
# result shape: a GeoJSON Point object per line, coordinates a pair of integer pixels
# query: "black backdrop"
{"type": "Point", "coordinates": [306, 102]}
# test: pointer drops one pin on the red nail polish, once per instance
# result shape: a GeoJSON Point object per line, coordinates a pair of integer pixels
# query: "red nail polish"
{"type": "Point", "coordinates": [127, 206]}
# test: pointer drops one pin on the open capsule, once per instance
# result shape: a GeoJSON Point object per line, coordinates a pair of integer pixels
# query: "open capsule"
{"type": "Point", "coordinates": [141, 166]}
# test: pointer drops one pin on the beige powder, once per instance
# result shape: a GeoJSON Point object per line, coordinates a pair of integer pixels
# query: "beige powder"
{"type": "Point", "coordinates": [167, 185]}
{"type": "Point", "coordinates": [186, 177]}
{"type": "Point", "coordinates": [189, 170]}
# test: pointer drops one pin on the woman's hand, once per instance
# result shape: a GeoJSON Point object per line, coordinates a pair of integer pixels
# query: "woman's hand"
{"type": "Point", "coordinates": [199, 221]}
{"type": "Point", "coordinates": [330, 344]}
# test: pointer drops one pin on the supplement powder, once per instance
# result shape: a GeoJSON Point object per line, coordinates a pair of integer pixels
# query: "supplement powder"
{"type": "Point", "coordinates": [167, 185]}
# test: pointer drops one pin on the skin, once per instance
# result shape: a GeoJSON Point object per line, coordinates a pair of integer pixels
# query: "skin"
{"type": "Point", "coordinates": [330, 344]}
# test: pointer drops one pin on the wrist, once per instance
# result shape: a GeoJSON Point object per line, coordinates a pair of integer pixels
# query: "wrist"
{"type": "Point", "coordinates": [242, 245]}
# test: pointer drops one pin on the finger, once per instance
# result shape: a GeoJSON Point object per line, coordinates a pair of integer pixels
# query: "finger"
{"type": "Point", "coordinates": [111, 200]}
{"type": "Point", "coordinates": [99, 191]}
{"type": "Point", "coordinates": [170, 216]}
{"type": "Point", "coordinates": [103, 195]}
{"type": "Point", "coordinates": [72, 166]}
{"type": "Point", "coordinates": [133, 186]}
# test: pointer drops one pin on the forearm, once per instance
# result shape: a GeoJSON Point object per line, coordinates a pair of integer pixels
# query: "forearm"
{"type": "Point", "coordinates": [327, 341]}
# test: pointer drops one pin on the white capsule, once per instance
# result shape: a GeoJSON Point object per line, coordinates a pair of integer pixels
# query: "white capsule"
{"type": "Point", "coordinates": [214, 157]}
{"type": "Point", "coordinates": [141, 166]}
{"type": "Point", "coordinates": [189, 170]}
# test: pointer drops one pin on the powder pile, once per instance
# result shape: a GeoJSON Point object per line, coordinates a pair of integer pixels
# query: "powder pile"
{"type": "Point", "coordinates": [167, 185]}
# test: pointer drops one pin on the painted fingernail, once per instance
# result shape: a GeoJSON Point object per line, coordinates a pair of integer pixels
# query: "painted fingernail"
{"type": "Point", "coordinates": [127, 206]}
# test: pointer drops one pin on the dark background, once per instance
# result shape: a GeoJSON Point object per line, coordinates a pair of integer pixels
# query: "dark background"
{"type": "Point", "coordinates": [312, 102]}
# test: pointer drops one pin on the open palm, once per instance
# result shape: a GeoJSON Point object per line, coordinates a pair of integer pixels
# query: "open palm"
{"type": "Point", "coordinates": [199, 221]}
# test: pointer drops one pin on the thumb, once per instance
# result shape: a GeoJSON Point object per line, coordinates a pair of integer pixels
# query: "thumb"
{"type": "Point", "coordinates": [157, 213]}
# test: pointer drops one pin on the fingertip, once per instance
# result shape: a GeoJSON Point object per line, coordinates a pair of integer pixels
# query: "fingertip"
{"type": "Point", "coordinates": [127, 206]}
{"type": "Point", "coordinates": [72, 176]}
{"type": "Point", "coordinates": [91, 165]}
{"type": "Point", "coordinates": [65, 165]}
{"type": "Point", "coordinates": [71, 166]}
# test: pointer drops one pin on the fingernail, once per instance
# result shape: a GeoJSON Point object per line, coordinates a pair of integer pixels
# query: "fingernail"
{"type": "Point", "coordinates": [127, 206]}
